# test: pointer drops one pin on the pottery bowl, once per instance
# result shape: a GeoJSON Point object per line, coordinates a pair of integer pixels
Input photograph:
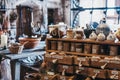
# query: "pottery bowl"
{"type": "Point", "coordinates": [30, 42]}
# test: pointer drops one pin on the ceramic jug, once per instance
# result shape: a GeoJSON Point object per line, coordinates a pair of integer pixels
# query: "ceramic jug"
{"type": "Point", "coordinates": [93, 36]}
{"type": "Point", "coordinates": [101, 36]}
{"type": "Point", "coordinates": [111, 37]}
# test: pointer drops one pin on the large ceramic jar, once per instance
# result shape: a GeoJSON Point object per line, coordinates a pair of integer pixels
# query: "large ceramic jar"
{"type": "Point", "coordinates": [104, 28]}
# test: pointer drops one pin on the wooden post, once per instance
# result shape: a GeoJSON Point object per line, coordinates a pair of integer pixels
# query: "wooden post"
{"type": "Point", "coordinates": [45, 14]}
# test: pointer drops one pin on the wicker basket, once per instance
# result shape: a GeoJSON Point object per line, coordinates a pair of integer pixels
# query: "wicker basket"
{"type": "Point", "coordinates": [16, 48]}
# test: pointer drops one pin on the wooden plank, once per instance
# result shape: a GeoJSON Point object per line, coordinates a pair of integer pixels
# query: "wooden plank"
{"type": "Point", "coordinates": [86, 41]}
{"type": "Point", "coordinates": [22, 55]}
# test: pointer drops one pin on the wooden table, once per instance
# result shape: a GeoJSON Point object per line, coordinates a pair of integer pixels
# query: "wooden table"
{"type": "Point", "coordinates": [15, 57]}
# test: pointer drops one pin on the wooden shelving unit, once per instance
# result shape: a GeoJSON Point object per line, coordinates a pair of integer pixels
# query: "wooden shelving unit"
{"type": "Point", "coordinates": [98, 62]}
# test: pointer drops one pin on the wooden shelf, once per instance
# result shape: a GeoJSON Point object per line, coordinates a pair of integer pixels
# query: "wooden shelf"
{"type": "Point", "coordinates": [79, 54]}
{"type": "Point", "coordinates": [88, 55]}
{"type": "Point", "coordinates": [86, 41]}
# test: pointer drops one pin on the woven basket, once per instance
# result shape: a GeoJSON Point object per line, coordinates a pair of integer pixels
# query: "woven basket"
{"type": "Point", "coordinates": [16, 48]}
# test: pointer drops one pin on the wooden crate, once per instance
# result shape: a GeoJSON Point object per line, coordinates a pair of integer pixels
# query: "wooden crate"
{"type": "Point", "coordinates": [68, 69]}
{"type": "Point", "coordinates": [81, 61]}
{"type": "Point", "coordinates": [113, 74]}
{"type": "Point", "coordinates": [97, 73]}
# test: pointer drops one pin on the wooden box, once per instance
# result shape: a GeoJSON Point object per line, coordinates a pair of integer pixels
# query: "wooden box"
{"type": "Point", "coordinates": [81, 61]}
{"type": "Point", "coordinates": [113, 74]}
{"type": "Point", "coordinates": [63, 59]}
{"type": "Point", "coordinates": [108, 63]}
{"type": "Point", "coordinates": [113, 50]}
{"type": "Point", "coordinates": [113, 64]}
{"type": "Point", "coordinates": [53, 45]}
{"type": "Point", "coordinates": [98, 62]}
{"type": "Point", "coordinates": [95, 49]}
{"type": "Point", "coordinates": [87, 48]}
{"type": "Point", "coordinates": [66, 69]}
{"type": "Point", "coordinates": [60, 46]}
{"type": "Point", "coordinates": [104, 50]}
{"type": "Point", "coordinates": [72, 48]}
{"type": "Point", "coordinates": [79, 47]}
{"type": "Point", "coordinates": [66, 46]}
{"type": "Point", "coordinates": [81, 70]}
{"type": "Point", "coordinates": [97, 73]}
{"type": "Point", "coordinates": [59, 58]}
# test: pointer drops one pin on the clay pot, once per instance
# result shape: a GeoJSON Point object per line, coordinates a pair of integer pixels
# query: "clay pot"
{"type": "Point", "coordinates": [31, 42]}
{"type": "Point", "coordinates": [79, 35]}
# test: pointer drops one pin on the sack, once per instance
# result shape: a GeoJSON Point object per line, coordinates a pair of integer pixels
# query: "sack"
{"type": "Point", "coordinates": [5, 70]}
